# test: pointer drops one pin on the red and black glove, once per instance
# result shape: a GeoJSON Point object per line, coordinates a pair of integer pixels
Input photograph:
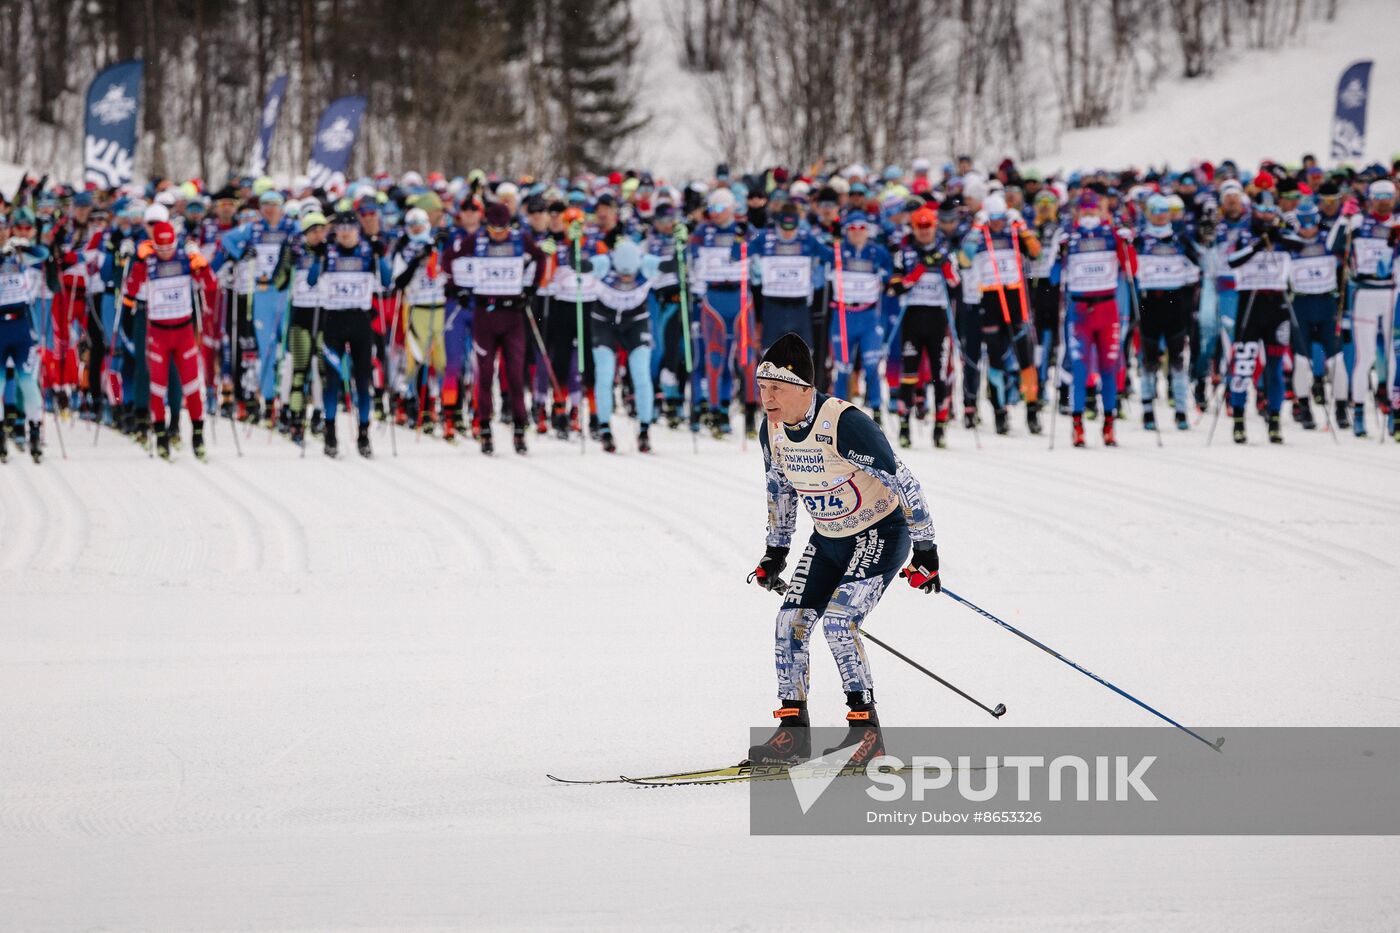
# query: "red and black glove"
{"type": "Point", "coordinates": [922, 571]}
{"type": "Point", "coordinates": [768, 573]}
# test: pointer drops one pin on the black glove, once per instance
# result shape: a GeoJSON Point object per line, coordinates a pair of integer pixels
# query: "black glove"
{"type": "Point", "coordinates": [922, 571]}
{"type": "Point", "coordinates": [768, 572]}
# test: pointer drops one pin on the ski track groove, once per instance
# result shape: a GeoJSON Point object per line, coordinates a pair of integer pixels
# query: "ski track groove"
{"type": "Point", "coordinates": [25, 529]}
{"type": "Point", "coordinates": [81, 524]}
{"type": "Point", "coordinates": [296, 545]}
{"type": "Point", "coordinates": [48, 530]}
{"type": "Point", "coordinates": [467, 541]}
{"type": "Point", "coordinates": [1174, 506]}
{"type": "Point", "coordinates": [252, 547]}
{"type": "Point", "coordinates": [527, 556]}
{"type": "Point", "coordinates": [1311, 491]}
{"type": "Point", "coordinates": [664, 524]}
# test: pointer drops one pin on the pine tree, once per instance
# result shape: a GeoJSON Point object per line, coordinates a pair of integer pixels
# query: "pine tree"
{"type": "Point", "coordinates": [590, 61]}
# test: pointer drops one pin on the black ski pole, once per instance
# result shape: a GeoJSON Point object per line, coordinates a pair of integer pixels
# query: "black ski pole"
{"type": "Point", "coordinates": [995, 711]}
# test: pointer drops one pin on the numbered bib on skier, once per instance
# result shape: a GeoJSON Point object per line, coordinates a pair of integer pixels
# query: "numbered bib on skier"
{"type": "Point", "coordinates": [787, 276]}
{"type": "Point", "coordinates": [500, 275]}
{"type": "Point", "coordinates": [860, 288]}
{"type": "Point", "coordinates": [303, 295]}
{"type": "Point", "coordinates": [1163, 272]}
{"type": "Point", "coordinates": [14, 288]}
{"type": "Point", "coordinates": [1313, 275]}
{"type": "Point", "coordinates": [1095, 271]}
{"type": "Point", "coordinates": [425, 289]}
{"type": "Point", "coordinates": [169, 299]}
{"type": "Point", "coordinates": [999, 267]}
{"type": "Point", "coordinates": [842, 499]}
{"type": "Point", "coordinates": [929, 292]}
{"type": "Point", "coordinates": [1372, 255]}
{"type": "Point", "coordinates": [265, 259]}
{"type": "Point", "coordinates": [716, 264]}
{"type": "Point", "coordinates": [464, 271]}
{"type": "Point", "coordinates": [346, 290]}
{"type": "Point", "coordinates": [1263, 271]}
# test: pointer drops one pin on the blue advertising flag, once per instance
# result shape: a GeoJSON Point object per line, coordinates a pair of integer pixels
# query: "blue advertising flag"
{"type": "Point", "coordinates": [271, 110]}
{"type": "Point", "coordinates": [335, 137]}
{"type": "Point", "coordinates": [1349, 124]}
{"type": "Point", "coordinates": [109, 124]}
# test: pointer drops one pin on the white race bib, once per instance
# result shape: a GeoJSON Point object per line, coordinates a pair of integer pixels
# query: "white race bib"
{"type": "Point", "coordinates": [169, 299]}
{"type": "Point", "coordinates": [1001, 267]}
{"type": "Point", "coordinates": [787, 276]}
{"type": "Point", "coordinates": [499, 275]}
{"type": "Point", "coordinates": [1313, 275]}
{"type": "Point", "coordinates": [1263, 271]}
{"type": "Point", "coordinates": [1095, 271]}
{"type": "Point", "coordinates": [1163, 272]}
{"type": "Point", "coordinates": [860, 288]}
{"type": "Point", "coordinates": [1372, 256]}
{"type": "Point", "coordinates": [346, 290]}
{"type": "Point", "coordinates": [14, 289]}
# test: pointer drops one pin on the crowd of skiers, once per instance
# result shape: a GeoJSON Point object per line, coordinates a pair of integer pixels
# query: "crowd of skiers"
{"type": "Point", "coordinates": [426, 301]}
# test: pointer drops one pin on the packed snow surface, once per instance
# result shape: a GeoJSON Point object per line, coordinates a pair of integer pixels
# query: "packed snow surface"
{"type": "Point", "coordinates": [275, 693]}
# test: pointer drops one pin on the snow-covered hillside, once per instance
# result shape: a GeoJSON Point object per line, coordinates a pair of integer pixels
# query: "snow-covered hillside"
{"type": "Point", "coordinates": [274, 693]}
{"type": "Point", "coordinates": [1257, 103]}
{"type": "Point", "coordinates": [1274, 104]}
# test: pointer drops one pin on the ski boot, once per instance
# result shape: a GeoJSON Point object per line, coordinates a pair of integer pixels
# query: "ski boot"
{"type": "Point", "coordinates": [332, 449]}
{"type": "Point", "coordinates": [1275, 429]}
{"type": "Point", "coordinates": [719, 421]}
{"type": "Point", "coordinates": [605, 437]}
{"type": "Point", "coordinates": [362, 442]}
{"type": "Point", "coordinates": [1238, 432]}
{"type": "Point", "coordinates": [318, 422]}
{"type": "Point", "coordinates": [1062, 400]}
{"type": "Point", "coordinates": [488, 446]}
{"type": "Point", "coordinates": [673, 414]}
{"type": "Point", "coordinates": [163, 444]}
{"type": "Point", "coordinates": [559, 420]}
{"type": "Point", "coordinates": [1033, 418]}
{"type": "Point", "coordinates": [284, 420]}
{"type": "Point", "coordinates": [969, 417]}
{"type": "Point", "coordinates": [1149, 419]}
{"type": "Point", "coordinates": [593, 427]}
{"type": "Point", "coordinates": [298, 431]}
{"type": "Point", "coordinates": [36, 447]}
{"type": "Point", "coordinates": [644, 440]}
{"type": "Point", "coordinates": [197, 439]}
{"type": "Point", "coordinates": [4, 449]}
{"type": "Point", "coordinates": [1091, 403]}
{"type": "Point", "coordinates": [1079, 431]}
{"type": "Point", "coordinates": [518, 439]}
{"type": "Point", "coordinates": [1003, 422]}
{"type": "Point", "coordinates": [863, 731]}
{"type": "Point", "coordinates": [905, 440]}
{"type": "Point", "coordinates": [791, 743]}
{"type": "Point", "coordinates": [1305, 414]}
{"type": "Point", "coordinates": [1343, 416]}
{"type": "Point", "coordinates": [1319, 390]}
{"type": "Point", "coordinates": [1358, 420]}
{"type": "Point", "coordinates": [449, 426]}
{"type": "Point", "coordinates": [940, 431]}
{"type": "Point", "coordinates": [541, 420]}
{"type": "Point", "coordinates": [1199, 395]}
{"type": "Point", "coordinates": [1182, 423]}
{"type": "Point", "coordinates": [1109, 440]}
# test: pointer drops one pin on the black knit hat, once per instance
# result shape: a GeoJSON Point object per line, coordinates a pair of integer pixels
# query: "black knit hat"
{"type": "Point", "coordinates": [789, 359]}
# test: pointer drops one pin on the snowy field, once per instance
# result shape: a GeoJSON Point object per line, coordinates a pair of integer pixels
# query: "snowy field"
{"type": "Point", "coordinates": [274, 693]}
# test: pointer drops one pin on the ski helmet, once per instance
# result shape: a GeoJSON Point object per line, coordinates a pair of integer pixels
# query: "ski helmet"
{"type": "Point", "coordinates": [626, 258]}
